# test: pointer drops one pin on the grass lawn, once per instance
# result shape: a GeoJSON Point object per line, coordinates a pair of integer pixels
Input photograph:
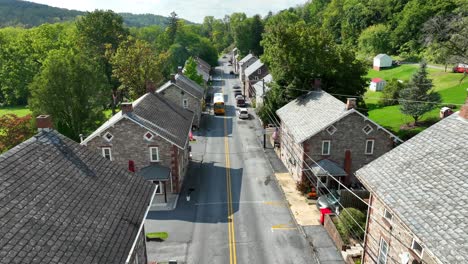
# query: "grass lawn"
{"type": "Point", "coordinates": [17, 110]}
{"type": "Point", "coordinates": [446, 83]}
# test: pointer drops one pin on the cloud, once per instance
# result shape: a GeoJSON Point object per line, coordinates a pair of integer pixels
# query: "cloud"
{"type": "Point", "coordinates": [193, 10]}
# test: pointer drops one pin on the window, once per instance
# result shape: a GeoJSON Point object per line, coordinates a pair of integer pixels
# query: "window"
{"type": "Point", "coordinates": [326, 147]}
{"type": "Point", "coordinates": [154, 154]}
{"type": "Point", "coordinates": [108, 137]}
{"type": "Point", "coordinates": [148, 136]}
{"type": "Point", "coordinates": [331, 130]}
{"type": "Point", "coordinates": [160, 186]}
{"type": "Point", "coordinates": [388, 215]}
{"type": "Point", "coordinates": [185, 103]}
{"type": "Point", "coordinates": [259, 71]}
{"type": "Point", "coordinates": [107, 153]}
{"type": "Point", "coordinates": [417, 248]}
{"type": "Point", "coordinates": [383, 251]}
{"type": "Point", "coordinates": [367, 129]}
{"type": "Point", "coordinates": [369, 146]}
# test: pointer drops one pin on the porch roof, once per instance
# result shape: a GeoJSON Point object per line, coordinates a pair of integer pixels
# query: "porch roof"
{"type": "Point", "coordinates": [325, 167]}
{"type": "Point", "coordinates": [155, 172]}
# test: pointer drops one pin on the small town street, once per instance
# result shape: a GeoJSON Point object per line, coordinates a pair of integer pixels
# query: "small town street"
{"type": "Point", "coordinates": [236, 212]}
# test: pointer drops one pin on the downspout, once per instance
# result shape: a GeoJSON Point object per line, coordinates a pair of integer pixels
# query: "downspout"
{"type": "Point", "coordinates": [141, 227]}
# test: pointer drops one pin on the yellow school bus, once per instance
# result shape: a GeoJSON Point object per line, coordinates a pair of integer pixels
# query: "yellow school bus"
{"type": "Point", "coordinates": [218, 104]}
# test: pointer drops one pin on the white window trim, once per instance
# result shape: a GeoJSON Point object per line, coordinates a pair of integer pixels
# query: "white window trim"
{"type": "Point", "coordinates": [372, 149]}
{"type": "Point", "coordinates": [415, 252]}
{"type": "Point", "coordinates": [380, 256]}
{"type": "Point", "coordinates": [160, 187]}
{"type": "Point", "coordinates": [368, 132]}
{"type": "Point", "coordinates": [385, 215]}
{"type": "Point", "coordinates": [148, 139]}
{"type": "Point", "coordinates": [259, 71]}
{"type": "Point", "coordinates": [104, 152]}
{"type": "Point", "coordinates": [151, 154]}
{"type": "Point", "coordinates": [185, 103]}
{"type": "Point", "coordinates": [329, 146]}
{"type": "Point", "coordinates": [333, 128]}
{"type": "Point", "coordinates": [107, 139]}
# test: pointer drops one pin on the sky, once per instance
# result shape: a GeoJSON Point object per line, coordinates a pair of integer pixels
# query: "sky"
{"type": "Point", "coordinates": [192, 10]}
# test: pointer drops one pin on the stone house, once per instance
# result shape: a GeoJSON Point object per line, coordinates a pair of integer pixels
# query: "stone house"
{"type": "Point", "coordinates": [244, 64]}
{"type": "Point", "coordinates": [64, 203]}
{"type": "Point", "coordinates": [260, 88]}
{"type": "Point", "coordinates": [150, 136]}
{"type": "Point", "coordinates": [340, 139]}
{"type": "Point", "coordinates": [418, 197]}
{"type": "Point", "coordinates": [203, 69]}
{"type": "Point", "coordinates": [184, 92]}
{"type": "Point", "coordinates": [253, 74]}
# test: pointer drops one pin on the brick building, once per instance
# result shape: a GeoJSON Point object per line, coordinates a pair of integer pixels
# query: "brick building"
{"type": "Point", "coordinates": [184, 92]}
{"type": "Point", "coordinates": [418, 197]}
{"type": "Point", "coordinates": [64, 203]}
{"type": "Point", "coordinates": [334, 134]}
{"type": "Point", "coordinates": [151, 136]}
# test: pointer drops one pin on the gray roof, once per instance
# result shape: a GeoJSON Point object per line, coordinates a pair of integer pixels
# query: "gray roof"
{"type": "Point", "coordinates": [64, 203]}
{"type": "Point", "coordinates": [253, 68]}
{"type": "Point", "coordinates": [163, 117]}
{"type": "Point", "coordinates": [309, 114]}
{"type": "Point", "coordinates": [425, 183]}
{"type": "Point", "coordinates": [155, 172]}
{"type": "Point", "coordinates": [185, 84]}
{"type": "Point", "coordinates": [258, 86]}
{"type": "Point", "coordinates": [247, 58]}
{"type": "Point", "coordinates": [381, 55]}
{"type": "Point", "coordinates": [325, 167]}
{"type": "Point", "coordinates": [203, 63]}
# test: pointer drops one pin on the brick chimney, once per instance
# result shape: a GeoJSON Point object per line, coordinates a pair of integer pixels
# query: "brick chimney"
{"type": "Point", "coordinates": [150, 88]}
{"type": "Point", "coordinates": [317, 84]}
{"type": "Point", "coordinates": [464, 110]}
{"type": "Point", "coordinates": [44, 123]}
{"type": "Point", "coordinates": [126, 107]}
{"type": "Point", "coordinates": [173, 78]}
{"type": "Point", "coordinates": [351, 103]}
{"type": "Point", "coordinates": [179, 70]}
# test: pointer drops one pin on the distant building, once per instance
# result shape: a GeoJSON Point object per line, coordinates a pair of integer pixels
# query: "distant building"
{"type": "Point", "coordinates": [64, 203]}
{"type": "Point", "coordinates": [244, 64]}
{"type": "Point", "coordinates": [382, 61]}
{"type": "Point", "coordinates": [377, 84]}
{"type": "Point", "coordinates": [253, 74]}
{"type": "Point", "coordinates": [260, 87]}
{"type": "Point", "coordinates": [418, 197]}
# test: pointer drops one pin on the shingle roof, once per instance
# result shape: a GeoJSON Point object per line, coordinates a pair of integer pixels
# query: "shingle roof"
{"type": "Point", "coordinates": [63, 203]}
{"type": "Point", "coordinates": [203, 63]}
{"type": "Point", "coordinates": [246, 58]}
{"type": "Point", "coordinates": [157, 114]}
{"type": "Point", "coordinates": [425, 183]}
{"type": "Point", "coordinates": [254, 67]}
{"type": "Point", "coordinates": [185, 84]}
{"type": "Point", "coordinates": [307, 115]}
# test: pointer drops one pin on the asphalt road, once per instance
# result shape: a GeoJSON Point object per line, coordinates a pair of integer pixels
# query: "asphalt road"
{"type": "Point", "coordinates": [236, 212]}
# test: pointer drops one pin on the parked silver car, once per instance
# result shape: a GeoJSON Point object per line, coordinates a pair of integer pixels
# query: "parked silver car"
{"type": "Point", "coordinates": [243, 113]}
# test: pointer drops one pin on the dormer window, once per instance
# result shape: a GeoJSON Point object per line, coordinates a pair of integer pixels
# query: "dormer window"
{"type": "Point", "coordinates": [108, 137]}
{"type": "Point", "coordinates": [149, 136]}
{"type": "Point", "coordinates": [331, 129]}
{"type": "Point", "coordinates": [367, 129]}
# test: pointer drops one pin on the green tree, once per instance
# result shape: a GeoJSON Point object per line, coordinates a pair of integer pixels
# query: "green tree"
{"type": "Point", "coordinates": [72, 89]}
{"type": "Point", "coordinates": [390, 93]}
{"type": "Point", "coordinates": [374, 40]}
{"type": "Point", "coordinates": [418, 97]}
{"type": "Point", "coordinates": [14, 130]}
{"type": "Point", "coordinates": [172, 27]}
{"type": "Point", "coordinates": [191, 71]}
{"type": "Point", "coordinates": [134, 65]}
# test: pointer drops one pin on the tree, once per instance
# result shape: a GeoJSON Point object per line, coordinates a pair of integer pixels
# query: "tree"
{"type": "Point", "coordinates": [374, 40]}
{"type": "Point", "coordinates": [390, 93]}
{"type": "Point", "coordinates": [191, 71]}
{"type": "Point", "coordinates": [134, 65]}
{"type": "Point", "coordinates": [14, 130]}
{"type": "Point", "coordinates": [172, 27]}
{"type": "Point", "coordinates": [418, 98]}
{"type": "Point", "coordinates": [72, 88]}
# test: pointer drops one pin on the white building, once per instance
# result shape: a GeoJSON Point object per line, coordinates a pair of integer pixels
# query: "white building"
{"type": "Point", "coordinates": [382, 61]}
{"type": "Point", "coordinates": [377, 84]}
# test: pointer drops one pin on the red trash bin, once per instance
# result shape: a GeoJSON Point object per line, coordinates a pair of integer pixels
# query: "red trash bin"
{"type": "Point", "coordinates": [323, 212]}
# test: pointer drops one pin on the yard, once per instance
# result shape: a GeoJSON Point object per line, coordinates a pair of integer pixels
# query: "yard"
{"type": "Point", "coordinates": [17, 110]}
{"type": "Point", "coordinates": [446, 83]}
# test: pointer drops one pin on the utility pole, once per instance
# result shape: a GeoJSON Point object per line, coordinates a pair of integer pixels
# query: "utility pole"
{"type": "Point", "coordinates": [264, 127]}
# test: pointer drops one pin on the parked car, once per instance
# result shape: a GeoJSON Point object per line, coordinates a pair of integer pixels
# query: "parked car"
{"type": "Point", "coordinates": [240, 102]}
{"type": "Point", "coordinates": [460, 68]}
{"type": "Point", "coordinates": [237, 92]}
{"type": "Point", "coordinates": [330, 200]}
{"type": "Point", "coordinates": [229, 64]}
{"type": "Point", "coordinates": [231, 72]}
{"type": "Point", "coordinates": [224, 56]}
{"type": "Point", "coordinates": [236, 87]}
{"type": "Point", "coordinates": [243, 113]}
{"type": "Point", "coordinates": [239, 97]}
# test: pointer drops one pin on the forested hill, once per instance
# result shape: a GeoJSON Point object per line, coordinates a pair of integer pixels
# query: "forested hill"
{"type": "Point", "coordinates": [28, 14]}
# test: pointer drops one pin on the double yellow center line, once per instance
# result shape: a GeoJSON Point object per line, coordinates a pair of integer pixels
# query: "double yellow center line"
{"type": "Point", "coordinates": [230, 216]}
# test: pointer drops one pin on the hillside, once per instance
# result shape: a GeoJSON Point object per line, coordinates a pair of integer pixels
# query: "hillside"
{"type": "Point", "coordinates": [28, 14]}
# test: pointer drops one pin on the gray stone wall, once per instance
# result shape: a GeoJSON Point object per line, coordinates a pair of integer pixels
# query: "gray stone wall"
{"type": "Point", "coordinates": [393, 232]}
{"type": "Point", "coordinates": [176, 95]}
{"type": "Point", "coordinates": [291, 153]}
{"type": "Point", "coordinates": [256, 76]}
{"type": "Point", "coordinates": [129, 143]}
{"type": "Point", "coordinates": [349, 135]}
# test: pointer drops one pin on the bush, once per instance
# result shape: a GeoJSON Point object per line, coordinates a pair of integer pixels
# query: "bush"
{"type": "Point", "coordinates": [391, 92]}
{"type": "Point", "coordinates": [304, 185]}
{"type": "Point", "coordinates": [352, 222]}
